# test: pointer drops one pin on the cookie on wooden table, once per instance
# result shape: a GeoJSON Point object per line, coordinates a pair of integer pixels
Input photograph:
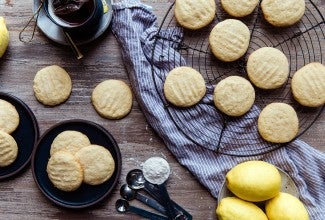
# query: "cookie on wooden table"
{"type": "Point", "coordinates": [184, 86]}
{"type": "Point", "coordinates": [97, 163]}
{"type": "Point", "coordinates": [52, 85]}
{"type": "Point", "coordinates": [268, 68]}
{"type": "Point", "coordinates": [234, 95]}
{"type": "Point", "coordinates": [229, 40]}
{"type": "Point", "coordinates": [64, 171]}
{"type": "Point", "coordinates": [112, 99]}
{"type": "Point", "coordinates": [9, 117]}
{"type": "Point", "coordinates": [239, 8]}
{"type": "Point", "coordinates": [282, 13]}
{"type": "Point", "coordinates": [278, 123]}
{"type": "Point", "coordinates": [8, 149]}
{"type": "Point", "coordinates": [70, 141]}
{"type": "Point", "coordinates": [195, 14]}
{"type": "Point", "coordinates": [308, 85]}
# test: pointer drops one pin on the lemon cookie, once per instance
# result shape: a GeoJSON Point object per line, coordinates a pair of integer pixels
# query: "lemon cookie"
{"type": "Point", "coordinates": [70, 141]}
{"type": "Point", "coordinates": [8, 149]}
{"type": "Point", "coordinates": [308, 85]}
{"type": "Point", "coordinates": [195, 14]}
{"type": "Point", "coordinates": [234, 96]}
{"type": "Point", "coordinates": [239, 8]}
{"type": "Point", "coordinates": [64, 171]}
{"type": "Point", "coordinates": [9, 117]}
{"type": "Point", "coordinates": [283, 13]}
{"type": "Point", "coordinates": [184, 86]}
{"type": "Point", "coordinates": [268, 68]}
{"type": "Point", "coordinates": [97, 163]}
{"type": "Point", "coordinates": [112, 99]}
{"type": "Point", "coordinates": [52, 85]}
{"type": "Point", "coordinates": [278, 123]}
{"type": "Point", "coordinates": [229, 40]}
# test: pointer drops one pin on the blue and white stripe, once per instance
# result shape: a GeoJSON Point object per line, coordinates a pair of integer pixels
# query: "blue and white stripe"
{"type": "Point", "coordinates": [134, 26]}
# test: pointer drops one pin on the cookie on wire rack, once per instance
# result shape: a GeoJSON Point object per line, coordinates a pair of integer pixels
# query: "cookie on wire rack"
{"type": "Point", "coordinates": [239, 8]}
{"type": "Point", "coordinates": [308, 85]}
{"type": "Point", "coordinates": [229, 40]}
{"type": "Point", "coordinates": [278, 123]}
{"type": "Point", "coordinates": [282, 13]}
{"type": "Point", "coordinates": [184, 86]}
{"type": "Point", "coordinates": [234, 96]}
{"type": "Point", "coordinates": [196, 14]}
{"type": "Point", "coordinates": [268, 68]}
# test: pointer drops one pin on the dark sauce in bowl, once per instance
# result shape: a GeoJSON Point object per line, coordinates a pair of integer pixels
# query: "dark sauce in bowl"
{"type": "Point", "coordinates": [74, 12]}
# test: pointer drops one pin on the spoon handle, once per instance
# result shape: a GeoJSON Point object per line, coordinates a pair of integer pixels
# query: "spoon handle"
{"type": "Point", "coordinates": [151, 202]}
{"type": "Point", "coordinates": [153, 191]}
{"type": "Point", "coordinates": [171, 212]}
{"type": "Point", "coordinates": [146, 214]}
{"type": "Point", "coordinates": [73, 46]}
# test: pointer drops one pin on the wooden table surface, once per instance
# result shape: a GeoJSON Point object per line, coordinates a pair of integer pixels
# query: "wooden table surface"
{"type": "Point", "coordinates": [20, 198]}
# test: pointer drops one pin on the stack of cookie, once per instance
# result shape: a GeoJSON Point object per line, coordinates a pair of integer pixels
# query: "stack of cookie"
{"type": "Point", "coordinates": [9, 121]}
{"type": "Point", "coordinates": [74, 160]}
{"type": "Point", "coordinates": [267, 68]}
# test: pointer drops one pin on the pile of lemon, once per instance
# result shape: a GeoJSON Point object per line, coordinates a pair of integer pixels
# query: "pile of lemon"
{"type": "Point", "coordinates": [4, 36]}
{"type": "Point", "coordinates": [258, 181]}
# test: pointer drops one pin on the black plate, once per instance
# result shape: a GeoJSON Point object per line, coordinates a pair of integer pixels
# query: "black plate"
{"type": "Point", "coordinates": [26, 136]}
{"type": "Point", "coordinates": [85, 195]}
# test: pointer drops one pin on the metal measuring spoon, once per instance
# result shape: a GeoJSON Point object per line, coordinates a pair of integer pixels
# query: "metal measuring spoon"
{"type": "Point", "coordinates": [130, 194]}
{"type": "Point", "coordinates": [123, 206]}
{"type": "Point", "coordinates": [136, 180]}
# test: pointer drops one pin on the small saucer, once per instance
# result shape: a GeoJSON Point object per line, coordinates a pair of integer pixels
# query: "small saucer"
{"type": "Point", "coordinates": [287, 186]}
{"type": "Point", "coordinates": [26, 136]}
{"type": "Point", "coordinates": [55, 33]}
{"type": "Point", "coordinates": [85, 195]}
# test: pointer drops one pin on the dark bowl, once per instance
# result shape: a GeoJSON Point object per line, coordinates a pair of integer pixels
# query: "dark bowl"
{"type": "Point", "coordinates": [87, 26]}
{"type": "Point", "coordinates": [85, 195]}
{"type": "Point", "coordinates": [26, 136]}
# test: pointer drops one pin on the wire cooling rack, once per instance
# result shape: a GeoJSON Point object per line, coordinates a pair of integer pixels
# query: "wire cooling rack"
{"type": "Point", "coordinates": [302, 43]}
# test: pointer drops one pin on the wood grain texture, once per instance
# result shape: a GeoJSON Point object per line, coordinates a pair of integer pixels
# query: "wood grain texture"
{"type": "Point", "coordinates": [19, 197]}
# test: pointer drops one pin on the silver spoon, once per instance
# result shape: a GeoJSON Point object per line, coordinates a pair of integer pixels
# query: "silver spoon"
{"type": "Point", "coordinates": [136, 180]}
{"type": "Point", "coordinates": [73, 46]}
{"type": "Point", "coordinates": [123, 206]}
{"type": "Point", "coordinates": [130, 194]}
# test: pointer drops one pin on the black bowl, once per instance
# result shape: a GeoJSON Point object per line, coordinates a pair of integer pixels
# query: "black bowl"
{"type": "Point", "coordinates": [26, 136]}
{"type": "Point", "coordinates": [85, 195]}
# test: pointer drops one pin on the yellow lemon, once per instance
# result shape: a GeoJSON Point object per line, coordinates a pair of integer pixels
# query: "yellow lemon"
{"type": "Point", "coordinates": [233, 208]}
{"type": "Point", "coordinates": [254, 181]}
{"type": "Point", "coordinates": [4, 36]}
{"type": "Point", "coordinates": [285, 206]}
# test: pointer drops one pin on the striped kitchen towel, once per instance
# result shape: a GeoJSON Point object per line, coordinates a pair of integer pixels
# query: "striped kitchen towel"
{"type": "Point", "coordinates": [134, 26]}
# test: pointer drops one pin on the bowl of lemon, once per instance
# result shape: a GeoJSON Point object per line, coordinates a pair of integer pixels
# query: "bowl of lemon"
{"type": "Point", "coordinates": [259, 190]}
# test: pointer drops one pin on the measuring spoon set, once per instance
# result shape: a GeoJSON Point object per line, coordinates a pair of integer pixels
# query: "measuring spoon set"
{"type": "Point", "coordinates": [159, 199]}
